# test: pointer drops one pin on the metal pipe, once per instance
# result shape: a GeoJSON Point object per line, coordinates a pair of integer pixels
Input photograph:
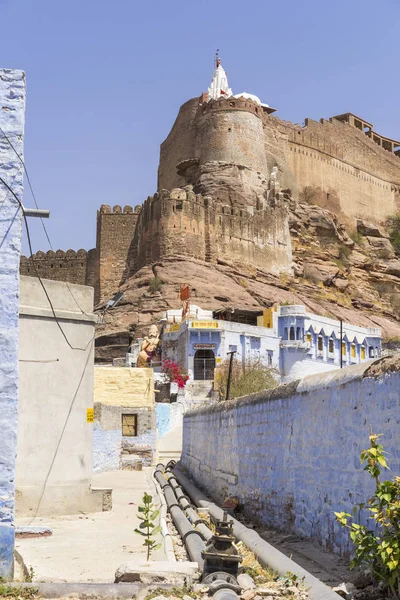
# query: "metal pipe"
{"type": "Point", "coordinates": [36, 212]}
{"type": "Point", "coordinates": [184, 503]}
{"type": "Point", "coordinates": [225, 594]}
{"type": "Point", "coordinates": [341, 343]}
{"type": "Point", "coordinates": [168, 545]}
{"type": "Point", "coordinates": [191, 538]}
{"type": "Point", "coordinates": [228, 383]}
{"type": "Point", "coordinates": [266, 554]}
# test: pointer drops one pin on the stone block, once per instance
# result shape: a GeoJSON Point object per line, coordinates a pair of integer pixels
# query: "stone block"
{"type": "Point", "coordinates": [181, 574]}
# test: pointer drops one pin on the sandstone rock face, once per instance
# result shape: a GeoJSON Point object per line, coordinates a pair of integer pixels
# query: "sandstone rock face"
{"type": "Point", "coordinates": [366, 228]}
{"type": "Point", "coordinates": [332, 275]}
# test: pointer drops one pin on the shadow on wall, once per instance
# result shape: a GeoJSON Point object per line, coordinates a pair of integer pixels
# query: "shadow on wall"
{"type": "Point", "coordinates": [292, 454]}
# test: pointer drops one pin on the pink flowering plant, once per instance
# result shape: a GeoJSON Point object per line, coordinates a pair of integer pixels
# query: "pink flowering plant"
{"type": "Point", "coordinates": [173, 372]}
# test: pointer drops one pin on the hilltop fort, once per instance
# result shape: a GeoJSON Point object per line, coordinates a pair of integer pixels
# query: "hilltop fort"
{"type": "Point", "coordinates": [230, 179]}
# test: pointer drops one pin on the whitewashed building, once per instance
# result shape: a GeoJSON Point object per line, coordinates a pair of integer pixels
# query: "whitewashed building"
{"type": "Point", "coordinates": [287, 338]}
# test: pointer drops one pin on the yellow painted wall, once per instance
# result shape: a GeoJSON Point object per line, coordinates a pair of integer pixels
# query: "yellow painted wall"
{"type": "Point", "coordinates": [266, 319]}
{"type": "Point", "coordinates": [121, 386]}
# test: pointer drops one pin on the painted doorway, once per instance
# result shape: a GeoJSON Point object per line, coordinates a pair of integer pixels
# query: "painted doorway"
{"type": "Point", "coordinates": [204, 365]}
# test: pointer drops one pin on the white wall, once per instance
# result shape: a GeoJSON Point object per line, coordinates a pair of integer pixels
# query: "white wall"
{"type": "Point", "coordinates": [54, 456]}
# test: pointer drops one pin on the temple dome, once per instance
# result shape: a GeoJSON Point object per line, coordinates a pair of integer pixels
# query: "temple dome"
{"type": "Point", "coordinates": [250, 97]}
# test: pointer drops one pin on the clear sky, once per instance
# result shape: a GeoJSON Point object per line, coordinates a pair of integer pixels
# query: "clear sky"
{"type": "Point", "coordinates": [106, 79]}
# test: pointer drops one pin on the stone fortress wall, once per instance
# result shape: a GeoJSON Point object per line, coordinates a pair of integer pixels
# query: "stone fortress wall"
{"type": "Point", "coordinates": [217, 162]}
{"type": "Point", "coordinates": [75, 267]}
{"type": "Point", "coordinates": [357, 176]}
{"type": "Point", "coordinates": [181, 222]}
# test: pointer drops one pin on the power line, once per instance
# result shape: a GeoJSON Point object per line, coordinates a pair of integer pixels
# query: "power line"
{"type": "Point", "coordinates": [37, 206]}
{"type": "Point", "coordinates": [37, 272]}
{"type": "Point", "coordinates": [61, 436]}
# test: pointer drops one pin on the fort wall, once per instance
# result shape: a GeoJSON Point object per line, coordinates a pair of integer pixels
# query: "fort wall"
{"type": "Point", "coordinates": [343, 162]}
{"type": "Point", "coordinates": [183, 223]}
{"type": "Point", "coordinates": [74, 267]}
{"type": "Point", "coordinates": [218, 161]}
{"type": "Point", "coordinates": [219, 147]}
{"type": "Point", "coordinates": [178, 146]}
{"type": "Point", "coordinates": [115, 231]}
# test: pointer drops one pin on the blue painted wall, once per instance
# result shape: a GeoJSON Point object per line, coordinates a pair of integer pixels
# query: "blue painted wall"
{"type": "Point", "coordinates": [292, 455]}
{"type": "Point", "coordinates": [12, 107]}
{"type": "Point", "coordinates": [107, 447]}
{"type": "Point", "coordinates": [163, 418]}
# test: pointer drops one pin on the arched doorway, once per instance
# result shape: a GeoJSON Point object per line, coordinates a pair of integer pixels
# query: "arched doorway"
{"type": "Point", "coordinates": [204, 364]}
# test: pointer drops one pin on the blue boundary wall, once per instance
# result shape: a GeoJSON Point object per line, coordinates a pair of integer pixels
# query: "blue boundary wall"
{"type": "Point", "coordinates": [292, 455]}
{"type": "Point", "coordinates": [12, 109]}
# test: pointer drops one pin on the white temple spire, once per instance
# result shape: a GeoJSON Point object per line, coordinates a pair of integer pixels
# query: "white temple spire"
{"type": "Point", "coordinates": [219, 85]}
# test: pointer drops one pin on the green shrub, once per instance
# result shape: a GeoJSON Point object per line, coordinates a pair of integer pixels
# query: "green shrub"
{"type": "Point", "coordinates": [247, 378]}
{"type": "Point", "coordinates": [308, 194]}
{"type": "Point", "coordinates": [357, 237]}
{"type": "Point", "coordinates": [378, 549]}
{"type": "Point", "coordinates": [393, 225]}
{"type": "Point", "coordinates": [17, 593]}
{"type": "Point", "coordinates": [147, 529]}
{"type": "Point", "coordinates": [155, 284]}
{"type": "Point", "coordinates": [343, 257]}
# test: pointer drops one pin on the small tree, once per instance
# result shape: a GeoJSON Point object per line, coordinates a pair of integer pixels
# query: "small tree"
{"type": "Point", "coordinates": [308, 194]}
{"type": "Point", "coordinates": [378, 548]}
{"type": "Point", "coordinates": [155, 284]}
{"type": "Point", "coordinates": [147, 529]}
{"type": "Point", "coordinates": [247, 377]}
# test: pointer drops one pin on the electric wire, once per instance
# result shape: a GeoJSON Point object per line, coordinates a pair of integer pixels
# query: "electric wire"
{"type": "Point", "coordinates": [38, 275]}
{"type": "Point", "coordinates": [37, 206]}
{"type": "Point", "coordinates": [89, 354]}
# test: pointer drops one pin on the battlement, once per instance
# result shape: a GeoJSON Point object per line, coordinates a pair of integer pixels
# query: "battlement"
{"type": "Point", "coordinates": [73, 266]}
{"type": "Point", "coordinates": [180, 222]}
{"type": "Point", "coordinates": [117, 210]}
{"type": "Point", "coordinates": [231, 104]}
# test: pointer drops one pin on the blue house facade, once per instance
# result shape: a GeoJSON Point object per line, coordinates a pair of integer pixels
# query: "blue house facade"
{"type": "Point", "coordinates": [287, 338]}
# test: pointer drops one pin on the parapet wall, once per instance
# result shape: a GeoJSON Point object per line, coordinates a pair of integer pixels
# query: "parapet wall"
{"type": "Point", "coordinates": [183, 223]}
{"type": "Point", "coordinates": [340, 161]}
{"type": "Point", "coordinates": [75, 267]}
{"type": "Point", "coordinates": [292, 455]}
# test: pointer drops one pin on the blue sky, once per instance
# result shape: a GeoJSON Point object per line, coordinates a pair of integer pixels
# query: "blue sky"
{"type": "Point", "coordinates": [105, 81]}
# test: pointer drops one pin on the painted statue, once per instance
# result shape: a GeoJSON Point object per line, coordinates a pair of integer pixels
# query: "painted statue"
{"type": "Point", "coordinates": [149, 347]}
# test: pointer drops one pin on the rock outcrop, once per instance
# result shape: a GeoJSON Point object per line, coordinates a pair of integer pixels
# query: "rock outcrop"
{"type": "Point", "coordinates": [336, 272]}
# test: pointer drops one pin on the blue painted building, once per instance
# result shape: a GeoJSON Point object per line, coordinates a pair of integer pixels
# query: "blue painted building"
{"type": "Point", "coordinates": [12, 103]}
{"type": "Point", "coordinates": [287, 338]}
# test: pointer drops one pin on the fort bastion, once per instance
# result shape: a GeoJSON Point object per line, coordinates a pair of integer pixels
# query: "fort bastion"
{"type": "Point", "coordinates": [229, 171]}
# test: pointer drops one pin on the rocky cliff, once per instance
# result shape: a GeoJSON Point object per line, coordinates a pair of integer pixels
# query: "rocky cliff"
{"type": "Point", "coordinates": [337, 272]}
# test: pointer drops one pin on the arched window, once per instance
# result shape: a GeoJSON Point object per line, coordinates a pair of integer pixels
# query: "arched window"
{"type": "Point", "coordinates": [291, 333]}
{"type": "Point", "coordinates": [298, 333]}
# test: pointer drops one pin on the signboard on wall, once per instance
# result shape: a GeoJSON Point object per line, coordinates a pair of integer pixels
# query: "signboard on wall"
{"type": "Point", "coordinates": [205, 324]}
{"type": "Point", "coordinates": [90, 415]}
{"type": "Point", "coordinates": [204, 346]}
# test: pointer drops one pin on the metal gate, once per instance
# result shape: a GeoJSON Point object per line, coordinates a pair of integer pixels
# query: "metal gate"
{"type": "Point", "coordinates": [204, 365]}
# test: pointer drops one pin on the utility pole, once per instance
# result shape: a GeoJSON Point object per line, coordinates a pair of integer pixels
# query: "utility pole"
{"type": "Point", "coordinates": [228, 383]}
{"type": "Point", "coordinates": [341, 343]}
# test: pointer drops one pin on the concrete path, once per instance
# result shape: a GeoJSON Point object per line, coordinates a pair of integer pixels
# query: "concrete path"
{"type": "Point", "coordinates": [85, 548]}
{"type": "Point", "coordinates": [170, 445]}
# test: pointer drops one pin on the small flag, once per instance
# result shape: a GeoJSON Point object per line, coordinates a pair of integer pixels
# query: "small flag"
{"type": "Point", "coordinates": [185, 293]}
